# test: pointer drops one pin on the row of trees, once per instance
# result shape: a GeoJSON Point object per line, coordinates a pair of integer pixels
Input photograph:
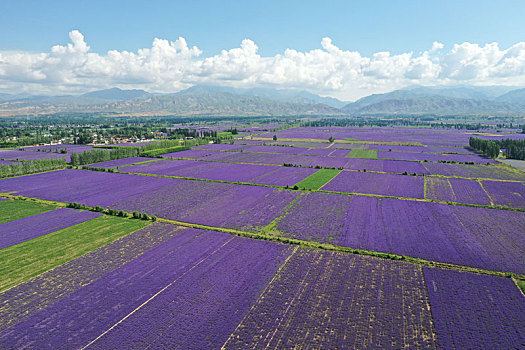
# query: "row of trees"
{"type": "Point", "coordinates": [113, 212]}
{"type": "Point", "coordinates": [31, 167]}
{"type": "Point", "coordinates": [513, 149]}
{"type": "Point", "coordinates": [102, 155]}
{"type": "Point", "coordinates": [489, 148]}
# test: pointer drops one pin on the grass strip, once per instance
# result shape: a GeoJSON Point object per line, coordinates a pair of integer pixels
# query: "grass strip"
{"type": "Point", "coordinates": [362, 153]}
{"type": "Point", "coordinates": [318, 179]}
{"type": "Point", "coordinates": [23, 261]}
{"type": "Point", "coordinates": [14, 210]}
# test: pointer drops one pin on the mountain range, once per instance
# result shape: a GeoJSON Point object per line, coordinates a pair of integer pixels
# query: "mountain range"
{"type": "Point", "coordinates": [225, 101]}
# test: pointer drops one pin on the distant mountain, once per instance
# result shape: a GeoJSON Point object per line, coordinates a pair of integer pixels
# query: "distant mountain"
{"type": "Point", "coordinates": [220, 104]}
{"type": "Point", "coordinates": [226, 101]}
{"type": "Point", "coordinates": [514, 96]}
{"type": "Point", "coordinates": [475, 92]}
{"type": "Point", "coordinates": [424, 100]}
{"type": "Point", "coordinates": [284, 95]}
{"type": "Point", "coordinates": [197, 102]}
{"type": "Point", "coordinates": [438, 105]}
{"type": "Point", "coordinates": [116, 94]}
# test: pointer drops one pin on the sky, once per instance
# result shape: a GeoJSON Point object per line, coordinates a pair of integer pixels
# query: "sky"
{"type": "Point", "coordinates": [345, 49]}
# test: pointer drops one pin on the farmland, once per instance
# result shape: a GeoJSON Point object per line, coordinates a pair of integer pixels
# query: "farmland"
{"type": "Point", "coordinates": [319, 237]}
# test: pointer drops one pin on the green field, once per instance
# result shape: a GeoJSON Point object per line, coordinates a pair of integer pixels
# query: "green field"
{"type": "Point", "coordinates": [20, 262]}
{"type": "Point", "coordinates": [362, 153]}
{"type": "Point", "coordinates": [16, 209]}
{"type": "Point", "coordinates": [318, 179]}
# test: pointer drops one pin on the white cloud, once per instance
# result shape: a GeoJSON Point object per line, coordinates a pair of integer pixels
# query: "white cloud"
{"type": "Point", "coordinates": [169, 66]}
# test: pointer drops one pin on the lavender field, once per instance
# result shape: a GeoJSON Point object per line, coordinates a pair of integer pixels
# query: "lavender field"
{"type": "Point", "coordinates": [224, 246]}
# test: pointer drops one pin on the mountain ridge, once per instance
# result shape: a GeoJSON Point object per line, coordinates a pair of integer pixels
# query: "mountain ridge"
{"type": "Point", "coordinates": [227, 101]}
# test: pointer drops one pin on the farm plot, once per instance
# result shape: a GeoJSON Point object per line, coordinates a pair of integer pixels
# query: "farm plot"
{"type": "Point", "coordinates": [82, 186]}
{"type": "Point", "coordinates": [421, 149]}
{"type": "Point", "coordinates": [11, 210]}
{"type": "Point", "coordinates": [511, 194]}
{"type": "Point", "coordinates": [68, 148]}
{"type": "Point", "coordinates": [339, 152]}
{"type": "Point", "coordinates": [213, 204]}
{"type": "Point", "coordinates": [456, 190]}
{"type": "Point", "coordinates": [475, 171]}
{"type": "Point", "coordinates": [220, 147]}
{"type": "Point", "coordinates": [431, 157]}
{"type": "Point", "coordinates": [363, 153]}
{"type": "Point", "coordinates": [30, 155]}
{"type": "Point", "coordinates": [123, 162]}
{"type": "Point", "coordinates": [20, 262]}
{"type": "Point", "coordinates": [196, 283]}
{"type": "Point", "coordinates": [485, 238]}
{"type": "Point", "coordinates": [475, 311]}
{"type": "Point", "coordinates": [258, 174]}
{"type": "Point", "coordinates": [318, 179]}
{"type": "Point", "coordinates": [21, 230]}
{"type": "Point", "coordinates": [375, 183]}
{"type": "Point", "coordinates": [322, 299]}
{"type": "Point", "coordinates": [25, 299]}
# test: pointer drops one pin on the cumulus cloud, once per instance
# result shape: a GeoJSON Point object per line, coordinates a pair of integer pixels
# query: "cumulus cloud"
{"type": "Point", "coordinates": [169, 66]}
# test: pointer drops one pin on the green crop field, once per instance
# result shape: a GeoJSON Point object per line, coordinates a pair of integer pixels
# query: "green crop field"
{"type": "Point", "coordinates": [362, 153]}
{"type": "Point", "coordinates": [318, 179]}
{"type": "Point", "coordinates": [14, 210]}
{"type": "Point", "coordinates": [20, 262]}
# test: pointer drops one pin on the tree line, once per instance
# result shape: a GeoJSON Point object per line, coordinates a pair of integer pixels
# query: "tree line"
{"type": "Point", "coordinates": [102, 155]}
{"type": "Point", "coordinates": [31, 166]}
{"type": "Point", "coordinates": [513, 149]}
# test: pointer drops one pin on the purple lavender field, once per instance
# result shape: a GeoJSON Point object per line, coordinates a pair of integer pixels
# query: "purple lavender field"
{"type": "Point", "coordinates": [122, 162]}
{"type": "Point", "coordinates": [196, 282]}
{"type": "Point", "coordinates": [484, 238]}
{"type": "Point", "coordinates": [323, 309]}
{"type": "Point", "coordinates": [238, 257]}
{"type": "Point", "coordinates": [258, 174]}
{"type": "Point", "coordinates": [31, 155]}
{"type": "Point", "coordinates": [58, 148]}
{"type": "Point", "coordinates": [472, 310]}
{"type": "Point", "coordinates": [375, 183]}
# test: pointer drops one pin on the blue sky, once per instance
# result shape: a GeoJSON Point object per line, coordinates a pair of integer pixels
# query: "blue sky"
{"type": "Point", "coordinates": [366, 26]}
{"type": "Point", "coordinates": [345, 49]}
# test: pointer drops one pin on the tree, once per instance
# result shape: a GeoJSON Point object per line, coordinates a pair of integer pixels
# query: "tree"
{"type": "Point", "coordinates": [331, 139]}
{"type": "Point", "coordinates": [275, 137]}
